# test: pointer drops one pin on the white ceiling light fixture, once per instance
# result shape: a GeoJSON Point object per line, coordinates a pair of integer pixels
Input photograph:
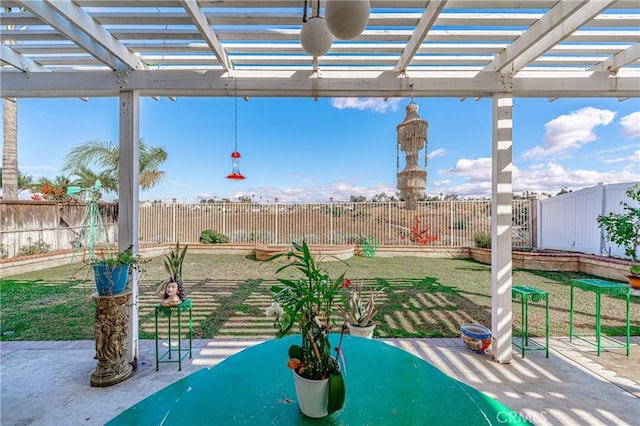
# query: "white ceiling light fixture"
{"type": "Point", "coordinates": [347, 19]}
{"type": "Point", "coordinates": [315, 37]}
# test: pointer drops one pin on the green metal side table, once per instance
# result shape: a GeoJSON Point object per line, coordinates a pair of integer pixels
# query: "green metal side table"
{"type": "Point", "coordinates": [600, 287]}
{"type": "Point", "coordinates": [526, 294]}
{"type": "Point", "coordinates": [177, 312]}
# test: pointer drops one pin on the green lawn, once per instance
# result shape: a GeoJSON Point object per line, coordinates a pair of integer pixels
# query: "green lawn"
{"type": "Point", "coordinates": [422, 298]}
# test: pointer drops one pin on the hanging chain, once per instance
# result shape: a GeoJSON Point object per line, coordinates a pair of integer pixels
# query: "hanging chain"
{"type": "Point", "coordinates": [235, 79]}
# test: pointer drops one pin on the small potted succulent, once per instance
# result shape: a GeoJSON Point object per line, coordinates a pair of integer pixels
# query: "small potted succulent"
{"type": "Point", "coordinates": [359, 310]}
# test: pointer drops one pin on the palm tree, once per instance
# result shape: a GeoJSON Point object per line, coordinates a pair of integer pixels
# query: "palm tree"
{"type": "Point", "coordinates": [24, 181]}
{"type": "Point", "coordinates": [105, 155]}
{"type": "Point", "coordinates": [86, 178]}
{"type": "Point", "coordinates": [10, 175]}
{"type": "Point", "coordinates": [10, 150]}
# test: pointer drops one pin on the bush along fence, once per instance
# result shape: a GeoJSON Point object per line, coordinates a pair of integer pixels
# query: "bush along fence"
{"type": "Point", "coordinates": [434, 223]}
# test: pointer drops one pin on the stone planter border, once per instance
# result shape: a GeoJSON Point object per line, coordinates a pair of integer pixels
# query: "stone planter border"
{"type": "Point", "coordinates": [599, 266]}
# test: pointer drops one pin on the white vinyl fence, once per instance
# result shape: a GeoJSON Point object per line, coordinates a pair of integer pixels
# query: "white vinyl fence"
{"type": "Point", "coordinates": [568, 221]}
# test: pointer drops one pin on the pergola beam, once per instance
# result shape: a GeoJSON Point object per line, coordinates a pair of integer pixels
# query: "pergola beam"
{"type": "Point", "coordinates": [334, 83]}
{"type": "Point", "coordinates": [78, 26]}
{"type": "Point", "coordinates": [556, 25]}
{"type": "Point", "coordinates": [21, 62]}
{"type": "Point", "coordinates": [428, 18]}
{"type": "Point", "coordinates": [200, 21]}
{"type": "Point", "coordinates": [628, 56]}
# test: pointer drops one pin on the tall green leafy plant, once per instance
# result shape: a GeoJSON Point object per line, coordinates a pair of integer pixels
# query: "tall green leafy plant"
{"type": "Point", "coordinates": [173, 265]}
{"type": "Point", "coordinates": [623, 229]}
{"type": "Point", "coordinates": [308, 301]}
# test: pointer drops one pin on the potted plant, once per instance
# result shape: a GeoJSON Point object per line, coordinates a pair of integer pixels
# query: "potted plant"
{"type": "Point", "coordinates": [307, 301]}
{"type": "Point", "coordinates": [623, 229]}
{"type": "Point", "coordinates": [111, 271]}
{"type": "Point", "coordinates": [634, 276]}
{"type": "Point", "coordinates": [358, 311]}
{"type": "Point", "coordinates": [171, 290]}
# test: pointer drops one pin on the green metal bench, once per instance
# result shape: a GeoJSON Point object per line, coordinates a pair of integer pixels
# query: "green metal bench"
{"type": "Point", "coordinates": [525, 294]}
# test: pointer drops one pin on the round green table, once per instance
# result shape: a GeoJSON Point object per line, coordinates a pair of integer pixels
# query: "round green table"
{"type": "Point", "coordinates": [385, 386]}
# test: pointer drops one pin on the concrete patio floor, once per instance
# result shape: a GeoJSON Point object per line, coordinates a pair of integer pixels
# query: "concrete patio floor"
{"type": "Point", "coordinates": [47, 383]}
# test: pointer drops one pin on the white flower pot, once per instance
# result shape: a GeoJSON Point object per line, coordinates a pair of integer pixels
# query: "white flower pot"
{"type": "Point", "coordinates": [366, 332]}
{"type": "Point", "coordinates": [313, 396]}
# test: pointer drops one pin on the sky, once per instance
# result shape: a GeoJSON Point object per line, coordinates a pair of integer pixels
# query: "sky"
{"type": "Point", "coordinates": [301, 150]}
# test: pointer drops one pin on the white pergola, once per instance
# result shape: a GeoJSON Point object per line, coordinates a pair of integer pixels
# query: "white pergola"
{"type": "Point", "coordinates": [500, 49]}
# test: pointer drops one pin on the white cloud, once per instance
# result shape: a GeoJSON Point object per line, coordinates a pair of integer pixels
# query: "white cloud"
{"type": "Point", "coordinates": [571, 131]}
{"type": "Point", "coordinates": [540, 177]}
{"type": "Point", "coordinates": [178, 183]}
{"type": "Point", "coordinates": [551, 177]}
{"type": "Point", "coordinates": [374, 104]}
{"type": "Point", "coordinates": [205, 196]}
{"type": "Point", "coordinates": [298, 177]}
{"type": "Point", "coordinates": [475, 170]}
{"type": "Point", "coordinates": [634, 158]}
{"type": "Point", "coordinates": [440, 183]}
{"type": "Point", "coordinates": [630, 125]}
{"type": "Point", "coordinates": [339, 191]}
{"type": "Point", "coordinates": [439, 152]}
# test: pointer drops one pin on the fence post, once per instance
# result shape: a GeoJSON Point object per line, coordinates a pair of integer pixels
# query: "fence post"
{"type": "Point", "coordinates": [451, 219]}
{"type": "Point", "coordinates": [224, 221]}
{"type": "Point", "coordinates": [533, 222]}
{"type": "Point", "coordinates": [276, 225]}
{"type": "Point", "coordinates": [602, 196]}
{"type": "Point", "coordinates": [389, 221]}
{"type": "Point", "coordinates": [173, 224]}
{"type": "Point", "coordinates": [331, 222]}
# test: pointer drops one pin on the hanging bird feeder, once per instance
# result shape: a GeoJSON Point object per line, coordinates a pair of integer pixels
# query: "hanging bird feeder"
{"type": "Point", "coordinates": [235, 167]}
{"type": "Point", "coordinates": [235, 155]}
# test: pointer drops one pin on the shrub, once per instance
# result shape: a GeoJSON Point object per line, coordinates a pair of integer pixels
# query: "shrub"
{"type": "Point", "coordinates": [343, 238]}
{"type": "Point", "coordinates": [482, 240]}
{"type": "Point", "coordinates": [623, 229]}
{"type": "Point", "coordinates": [460, 224]}
{"type": "Point", "coordinates": [31, 247]}
{"type": "Point", "coordinates": [311, 239]}
{"type": "Point", "coordinates": [4, 253]}
{"type": "Point", "coordinates": [260, 236]}
{"type": "Point", "coordinates": [369, 246]}
{"type": "Point", "coordinates": [209, 236]}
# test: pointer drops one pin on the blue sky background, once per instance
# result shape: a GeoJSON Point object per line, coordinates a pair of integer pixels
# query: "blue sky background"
{"type": "Point", "coordinates": [298, 149]}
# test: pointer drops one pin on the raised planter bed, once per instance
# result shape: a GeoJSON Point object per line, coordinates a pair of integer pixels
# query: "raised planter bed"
{"type": "Point", "coordinates": [322, 253]}
{"type": "Point", "coordinates": [605, 267]}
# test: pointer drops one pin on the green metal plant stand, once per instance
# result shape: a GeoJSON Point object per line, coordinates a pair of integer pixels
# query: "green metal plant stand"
{"type": "Point", "coordinates": [600, 287]}
{"type": "Point", "coordinates": [526, 294]}
{"type": "Point", "coordinates": [171, 312]}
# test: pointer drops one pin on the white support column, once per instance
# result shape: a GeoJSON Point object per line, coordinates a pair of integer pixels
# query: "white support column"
{"type": "Point", "coordinates": [128, 216]}
{"type": "Point", "coordinates": [501, 196]}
